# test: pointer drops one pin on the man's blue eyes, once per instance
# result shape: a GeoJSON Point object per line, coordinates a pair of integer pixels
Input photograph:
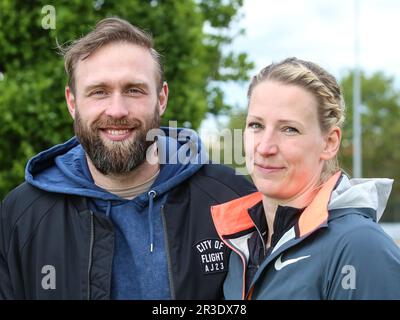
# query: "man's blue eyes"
{"type": "Point", "coordinates": [103, 92]}
{"type": "Point", "coordinates": [134, 90]}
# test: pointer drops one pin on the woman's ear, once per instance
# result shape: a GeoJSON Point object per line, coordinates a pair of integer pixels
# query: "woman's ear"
{"type": "Point", "coordinates": [332, 143]}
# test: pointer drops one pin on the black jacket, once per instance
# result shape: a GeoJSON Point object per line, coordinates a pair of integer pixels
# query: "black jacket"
{"type": "Point", "coordinates": [53, 247]}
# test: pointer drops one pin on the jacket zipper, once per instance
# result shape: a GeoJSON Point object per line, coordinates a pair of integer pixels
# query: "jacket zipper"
{"type": "Point", "coordinates": [249, 294]}
{"type": "Point", "coordinates": [262, 239]}
{"type": "Point", "coordinates": [171, 281]}
{"type": "Point", "coordinates": [242, 257]}
{"type": "Point", "coordinates": [90, 253]}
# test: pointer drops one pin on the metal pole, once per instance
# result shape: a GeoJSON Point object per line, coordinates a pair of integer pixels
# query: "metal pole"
{"type": "Point", "coordinates": [357, 131]}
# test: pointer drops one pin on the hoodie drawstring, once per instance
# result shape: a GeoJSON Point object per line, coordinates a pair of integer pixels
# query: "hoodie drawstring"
{"type": "Point", "coordinates": [108, 208]}
{"type": "Point", "coordinates": [152, 194]}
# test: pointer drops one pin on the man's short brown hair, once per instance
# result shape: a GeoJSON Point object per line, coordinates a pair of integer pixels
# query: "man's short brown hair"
{"type": "Point", "coordinates": [107, 31]}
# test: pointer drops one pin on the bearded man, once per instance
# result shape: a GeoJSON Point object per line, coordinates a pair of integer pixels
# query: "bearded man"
{"type": "Point", "coordinates": [121, 210]}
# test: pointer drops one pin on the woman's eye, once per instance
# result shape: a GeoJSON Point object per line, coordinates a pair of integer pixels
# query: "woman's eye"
{"type": "Point", "coordinates": [290, 130]}
{"type": "Point", "coordinates": [254, 125]}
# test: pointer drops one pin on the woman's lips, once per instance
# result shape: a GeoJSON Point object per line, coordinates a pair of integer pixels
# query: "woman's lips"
{"type": "Point", "coordinates": [268, 169]}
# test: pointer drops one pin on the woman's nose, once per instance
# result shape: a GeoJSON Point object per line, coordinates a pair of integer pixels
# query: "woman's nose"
{"type": "Point", "coordinates": [267, 146]}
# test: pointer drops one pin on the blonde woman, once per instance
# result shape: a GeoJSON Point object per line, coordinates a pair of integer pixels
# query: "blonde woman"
{"type": "Point", "coordinates": [309, 232]}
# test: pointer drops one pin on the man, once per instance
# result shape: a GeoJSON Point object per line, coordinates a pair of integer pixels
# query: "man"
{"type": "Point", "coordinates": [110, 214]}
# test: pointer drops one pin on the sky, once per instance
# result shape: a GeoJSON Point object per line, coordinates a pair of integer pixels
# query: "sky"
{"type": "Point", "coordinates": [322, 31]}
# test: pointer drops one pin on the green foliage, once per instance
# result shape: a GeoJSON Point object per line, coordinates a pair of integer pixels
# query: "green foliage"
{"type": "Point", "coordinates": [238, 120]}
{"type": "Point", "coordinates": [380, 133]}
{"type": "Point", "coordinates": [228, 151]}
{"type": "Point", "coordinates": [192, 36]}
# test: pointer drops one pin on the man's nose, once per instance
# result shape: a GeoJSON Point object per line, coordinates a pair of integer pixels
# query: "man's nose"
{"type": "Point", "coordinates": [117, 107]}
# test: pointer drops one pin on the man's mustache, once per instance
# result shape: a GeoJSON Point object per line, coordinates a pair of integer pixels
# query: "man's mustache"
{"type": "Point", "coordinates": [123, 123]}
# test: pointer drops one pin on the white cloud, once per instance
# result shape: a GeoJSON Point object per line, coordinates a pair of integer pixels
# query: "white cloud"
{"type": "Point", "coordinates": [322, 31]}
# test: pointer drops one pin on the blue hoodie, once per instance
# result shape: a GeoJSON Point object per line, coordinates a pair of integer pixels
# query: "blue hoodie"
{"type": "Point", "coordinates": [139, 268]}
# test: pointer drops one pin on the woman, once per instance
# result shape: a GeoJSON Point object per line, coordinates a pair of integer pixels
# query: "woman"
{"type": "Point", "coordinates": [310, 232]}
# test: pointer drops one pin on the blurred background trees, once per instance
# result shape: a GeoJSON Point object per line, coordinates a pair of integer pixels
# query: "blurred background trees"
{"type": "Point", "coordinates": [380, 133]}
{"type": "Point", "coordinates": [192, 35]}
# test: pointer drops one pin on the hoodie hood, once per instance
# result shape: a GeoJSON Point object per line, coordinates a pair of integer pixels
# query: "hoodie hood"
{"type": "Point", "coordinates": [362, 193]}
{"type": "Point", "coordinates": [63, 168]}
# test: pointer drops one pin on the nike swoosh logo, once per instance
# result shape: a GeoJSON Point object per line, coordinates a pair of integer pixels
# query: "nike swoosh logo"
{"type": "Point", "coordinates": [280, 265]}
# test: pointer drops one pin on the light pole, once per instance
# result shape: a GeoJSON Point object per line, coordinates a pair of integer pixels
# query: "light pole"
{"type": "Point", "coordinates": [357, 132]}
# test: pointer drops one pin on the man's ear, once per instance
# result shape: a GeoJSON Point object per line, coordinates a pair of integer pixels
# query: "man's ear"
{"type": "Point", "coordinates": [70, 98]}
{"type": "Point", "coordinates": [163, 98]}
{"type": "Point", "coordinates": [332, 144]}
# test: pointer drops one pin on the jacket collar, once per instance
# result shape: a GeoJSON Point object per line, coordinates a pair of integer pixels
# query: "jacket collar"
{"type": "Point", "coordinates": [233, 217]}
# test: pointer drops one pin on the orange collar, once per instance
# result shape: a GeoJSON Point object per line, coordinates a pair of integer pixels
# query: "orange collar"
{"type": "Point", "coordinates": [232, 217]}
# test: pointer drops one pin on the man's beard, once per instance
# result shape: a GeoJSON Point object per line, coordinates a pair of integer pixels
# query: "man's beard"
{"type": "Point", "coordinates": [115, 157]}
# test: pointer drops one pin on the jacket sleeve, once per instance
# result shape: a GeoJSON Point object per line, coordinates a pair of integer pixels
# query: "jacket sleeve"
{"type": "Point", "coordinates": [365, 265]}
{"type": "Point", "coordinates": [6, 291]}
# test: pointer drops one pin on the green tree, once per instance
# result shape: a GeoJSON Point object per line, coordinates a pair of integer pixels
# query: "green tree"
{"type": "Point", "coordinates": [380, 132]}
{"type": "Point", "coordinates": [237, 122]}
{"type": "Point", "coordinates": [192, 36]}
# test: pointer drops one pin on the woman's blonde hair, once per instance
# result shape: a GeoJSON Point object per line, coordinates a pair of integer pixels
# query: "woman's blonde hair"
{"type": "Point", "coordinates": [321, 84]}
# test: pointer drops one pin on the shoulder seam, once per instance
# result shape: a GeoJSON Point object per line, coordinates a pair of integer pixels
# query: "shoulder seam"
{"type": "Point", "coordinates": [207, 192]}
{"type": "Point", "coordinates": [22, 213]}
{"type": "Point", "coordinates": [37, 226]}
